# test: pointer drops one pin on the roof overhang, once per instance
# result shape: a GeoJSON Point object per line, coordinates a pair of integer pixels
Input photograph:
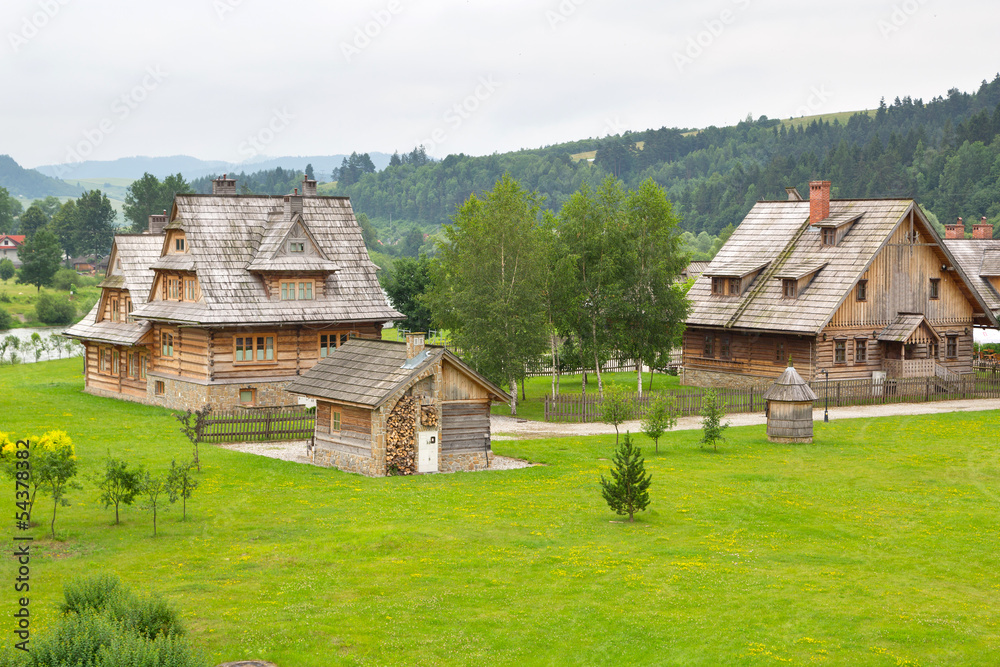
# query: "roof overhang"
{"type": "Point", "coordinates": [735, 269]}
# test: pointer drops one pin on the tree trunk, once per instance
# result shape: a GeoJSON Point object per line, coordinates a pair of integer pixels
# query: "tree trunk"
{"type": "Point", "coordinates": [116, 514]}
{"type": "Point", "coordinates": [523, 396]}
{"type": "Point", "coordinates": [55, 505]}
{"type": "Point", "coordinates": [600, 382]}
{"type": "Point", "coordinates": [513, 396]}
{"type": "Point", "coordinates": [638, 370]}
{"type": "Point", "coordinates": [154, 520]}
{"type": "Point", "coordinates": [583, 389]}
{"type": "Point", "coordinates": [555, 366]}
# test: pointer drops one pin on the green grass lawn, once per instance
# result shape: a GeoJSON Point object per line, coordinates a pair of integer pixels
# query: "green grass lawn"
{"type": "Point", "coordinates": [874, 546]}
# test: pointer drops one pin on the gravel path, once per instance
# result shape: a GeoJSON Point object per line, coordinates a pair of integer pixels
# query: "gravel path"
{"type": "Point", "coordinates": [510, 428]}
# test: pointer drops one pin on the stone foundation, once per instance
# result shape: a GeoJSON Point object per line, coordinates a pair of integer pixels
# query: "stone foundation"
{"type": "Point", "coordinates": [362, 465]}
{"type": "Point", "coordinates": [702, 378]}
{"type": "Point", "coordinates": [183, 394]}
{"type": "Point", "coordinates": [463, 461]}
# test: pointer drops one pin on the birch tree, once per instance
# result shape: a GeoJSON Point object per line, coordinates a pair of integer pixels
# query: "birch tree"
{"type": "Point", "coordinates": [488, 282]}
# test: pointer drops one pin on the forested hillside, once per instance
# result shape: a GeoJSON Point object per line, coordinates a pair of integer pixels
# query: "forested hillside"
{"type": "Point", "coordinates": [29, 183]}
{"type": "Point", "coordinates": [941, 152]}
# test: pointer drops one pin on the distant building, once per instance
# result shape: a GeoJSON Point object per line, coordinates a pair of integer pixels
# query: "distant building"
{"type": "Point", "coordinates": [851, 286]}
{"type": "Point", "coordinates": [9, 245]}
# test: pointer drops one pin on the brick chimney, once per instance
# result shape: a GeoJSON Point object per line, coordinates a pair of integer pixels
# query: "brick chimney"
{"type": "Point", "coordinates": [308, 187]}
{"type": "Point", "coordinates": [955, 230]}
{"type": "Point", "coordinates": [156, 223]}
{"type": "Point", "coordinates": [224, 186]}
{"type": "Point", "coordinates": [819, 201]}
{"type": "Point", "coordinates": [982, 229]}
{"type": "Point", "coordinates": [293, 204]}
{"type": "Point", "coordinates": [414, 344]}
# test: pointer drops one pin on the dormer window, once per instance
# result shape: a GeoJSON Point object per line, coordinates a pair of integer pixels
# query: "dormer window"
{"type": "Point", "coordinates": [296, 290]}
{"type": "Point", "coordinates": [726, 286]}
{"type": "Point", "coordinates": [179, 244]}
{"type": "Point", "coordinates": [296, 246]}
{"type": "Point", "coordinates": [829, 236]}
{"type": "Point", "coordinates": [789, 288]}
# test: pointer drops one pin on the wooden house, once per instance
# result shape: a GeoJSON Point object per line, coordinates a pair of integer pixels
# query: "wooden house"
{"type": "Point", "coordinates": [241, 295]}
{"type": "Point", "coordinates": [979, 258]}
{"type": "Point", "coordinates": [856, 287]}
{"type": "Point", "coordinates": [9, 246]}
{"type": "Point", "coordinates": [385, 407]}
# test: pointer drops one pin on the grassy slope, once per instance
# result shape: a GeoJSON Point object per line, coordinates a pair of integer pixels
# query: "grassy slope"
{"type": "Point", "coordinates": [22, 300]}
{"type": "Point", "coordinates": [874, 546]}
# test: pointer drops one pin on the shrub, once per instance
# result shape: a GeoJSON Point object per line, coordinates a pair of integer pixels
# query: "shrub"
{"type": "Point", "coordinates": [53, 310]}
{"type": "Point", "coordinates": [616, 408]}
{"type": "Point", "coordinates": [6, 321]}
{"type": "Point", "coordinates": [7, 269]}
{"type": "Point", "coordinates": [65, 279]}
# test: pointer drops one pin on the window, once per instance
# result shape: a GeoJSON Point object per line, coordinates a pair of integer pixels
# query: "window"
{"type": "Point", "coordinates": [726, 286]}
{"type": "Point", "coordinates": [142, 366]}
{"type": "Point", "coordinates": [933, 350]}
{"type": "Point", "coordinates": [179, 245]}
{"type": "Point", "coordinates": [296, 246]}
{"type": "Point", "coordinates": [840, 351]}
{"type": "Point", "coordinates": [173, 286]}
{"type": "Point", "coordinates": [247, 395]}
{"type": "Point", "coordinates": [861, 350]}
{"type": "Point", "coordinates": [327, 344]}
{"type": "Point", "coordinates": [115, 362]}
{"type": "Point", "coordinates": [709, 346]}
{"type": "Point", "coordinates": [104, 360]}
{"type": "Point", "coordinates": [161, 389]}
{"type": "Point", "coordinates": [951, 351]}
{"type": "Point", "coordinates": [167, 344]}
{"type": "Point", "coordinates": [133, 365]}
{"type": "Point", "coordinates": [344, 338]}
{"type": "Point", "coordinates": [861, 293]}
{"type": "Point", "coordinates": [291, 290]}
{"type": "Point", "coordinates": [335, 421]}
{"type": "Point", "coordinates": [128, 309]}
{"type": "Point", "coordinates": [253, 348]}
{"type": "Point", "coordinates": [935, 288]}
{"type": "Point", "coordinates": [190, 289]}
{"type": "Point", "coordinates": [724, 348]}
{"type": "Point", "coordinates": [829, 236]}
{"type": "Point", "coordinates": [779, 351]}
{"type": "Point", "coordinates": [788, 288]}
{"type": "Point", "coordinates": [114, 310]}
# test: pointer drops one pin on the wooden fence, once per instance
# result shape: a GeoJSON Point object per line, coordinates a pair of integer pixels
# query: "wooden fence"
{"type": "Point", "coordinates": [543, 366]}
{"type": "Point", "coordinates": [688, 401]}
{"type": "Point", "coordinates": [262, 424]}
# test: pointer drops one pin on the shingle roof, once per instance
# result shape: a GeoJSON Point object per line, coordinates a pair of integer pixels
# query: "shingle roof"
{"type": "Point", "coordinates": [137, 253]}
{"type": "Point", "coordinates": [973, 257]}
{"type": "Point", "coordinates": [779, 233]}
{"type": "Point", "coordinates": [228, 235]}
{"type": "Point", "coordinates": [114, 333]}
{"type": "Point", "coordinates": [790, 387]}
{"type": "Point", "coordinates": [368, 372]}
{"type": "Point", "coordinates": [902, 328]}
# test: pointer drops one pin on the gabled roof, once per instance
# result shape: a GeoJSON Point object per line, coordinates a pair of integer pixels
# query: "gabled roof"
{"type": "Point", "coordinates": [369, 372]}
{"type": "Point", "coordinates": [113, 333]}
{"type": "Point", "coordinates": [273, 256]}
{"type": "Point", "coordinates": [778, 233]}
{"type": "Point", "coordinates": [231, 238]}
{"type": "Point", "coordinates": [978, 259]}
{"type": "Point", "coordinates": [16, 239]}
{"type": "Point", "coordinates": [905, 324]}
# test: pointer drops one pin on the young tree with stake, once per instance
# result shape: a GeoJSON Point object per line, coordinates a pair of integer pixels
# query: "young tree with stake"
{"type": "Point", "coordinates": [616, 408]}
{"type": "Point", "coordinates": [661, 417]}
{"type": "Point", "coordinates": [120, 484]}
{"type": "Point", "coordinates": [180, 484]}
{"type": "Point", "coordinates": [151, 489]}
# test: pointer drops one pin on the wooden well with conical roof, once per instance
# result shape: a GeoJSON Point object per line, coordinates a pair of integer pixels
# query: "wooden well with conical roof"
{"type": "Point", "coordinates": [790, 408]}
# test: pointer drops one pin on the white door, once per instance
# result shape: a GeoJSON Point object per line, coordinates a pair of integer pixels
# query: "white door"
{"type": "Point", "coordinates": [427, 451]}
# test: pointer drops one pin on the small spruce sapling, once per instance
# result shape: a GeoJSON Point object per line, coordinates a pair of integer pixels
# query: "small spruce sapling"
{"type": "Point", "coordinates": [711, 424]}
{"type": "Point", "coordinates": [627, 492]}
{"type": "Point", "coordinates": [180, 484]}
{"type": "Point", "coordinates": [661, 417]}
{"type": "Point", "coordinates": [616, 408]}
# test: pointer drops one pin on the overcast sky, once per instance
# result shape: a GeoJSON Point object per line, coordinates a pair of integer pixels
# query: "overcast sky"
{"type": "Point", "coordinates": [233, 79]}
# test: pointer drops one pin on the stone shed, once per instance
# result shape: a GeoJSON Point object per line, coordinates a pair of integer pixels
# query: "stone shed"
{"type": "Point", "coordinates": [385, 407]}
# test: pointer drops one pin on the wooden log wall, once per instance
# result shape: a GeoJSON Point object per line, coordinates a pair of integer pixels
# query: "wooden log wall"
{"type": "Point", "coordinates": [763, 355]}
{"type": "Point", "coordinates": [464, 425]}
{"type": "Point", "coordinates": [458, 386]}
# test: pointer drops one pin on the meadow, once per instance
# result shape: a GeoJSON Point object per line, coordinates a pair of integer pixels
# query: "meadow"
{"type": "Point", "coordinates": [874, 546]}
